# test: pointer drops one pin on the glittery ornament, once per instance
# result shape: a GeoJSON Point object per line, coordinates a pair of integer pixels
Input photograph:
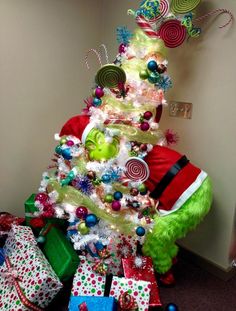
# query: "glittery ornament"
{"type": "Point", "coordinates": [143, 74]}
{"type": "Point", "coordinates": [81, 212]}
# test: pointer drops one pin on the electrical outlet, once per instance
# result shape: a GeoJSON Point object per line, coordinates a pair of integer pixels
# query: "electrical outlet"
{"type": "Point", "coordinates": [180, 109]}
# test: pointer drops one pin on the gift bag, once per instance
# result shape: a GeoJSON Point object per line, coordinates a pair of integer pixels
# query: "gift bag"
{"type": "Point", "coordinates": [26, 279]}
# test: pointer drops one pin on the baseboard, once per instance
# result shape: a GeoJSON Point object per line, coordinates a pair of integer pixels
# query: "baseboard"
{"type": "Point", "coordinates": [207, 265]}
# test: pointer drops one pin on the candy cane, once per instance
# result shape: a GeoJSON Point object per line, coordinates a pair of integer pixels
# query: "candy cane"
{"type": "Point", "coordinates": [97, 54]}
{"type": "Point", "coordinates": [105, 51]}
{"type": "Point", "coordinates": [146, 26]}
{"type": "Point", "coordinates": [219, 11]}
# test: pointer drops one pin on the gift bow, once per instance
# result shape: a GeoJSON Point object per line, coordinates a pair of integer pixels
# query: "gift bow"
{"type": "Point", "coordinates": [11, 276]}
{"type": "Point", "coordinates": [100, 266]}
{"type": "Point", "coordinates": [83, 307]}
{"type": "Point", "coordinates": [127, 302]}
{"type": "Point", "coordinates": [14, 278]}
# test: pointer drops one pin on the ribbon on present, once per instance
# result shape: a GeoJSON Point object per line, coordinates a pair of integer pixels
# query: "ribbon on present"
{"type": "Point", "coordinates": [13, 277]}
{"type": "Point", "coordinates": [100, 266]}
{"type": "Point", "coordinates": [126, 302]}
{"type": "Point", "coordinates": [83, 307]}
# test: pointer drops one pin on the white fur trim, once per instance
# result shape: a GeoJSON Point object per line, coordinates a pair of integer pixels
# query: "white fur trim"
{"type": "Point", "coordinates": [86, 131]}
{"type": "Point", "coordinates": [186, 194]}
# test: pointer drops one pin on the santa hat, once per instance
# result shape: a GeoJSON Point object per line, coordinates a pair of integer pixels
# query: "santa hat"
{"type": "Point", "coordinates": [78, 126]}
{"type": "Point", "coordinates": [173, 179]}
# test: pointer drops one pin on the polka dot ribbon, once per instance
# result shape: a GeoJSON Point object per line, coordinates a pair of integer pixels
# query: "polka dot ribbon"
{"type": "Point", "coordinates": [13, 274]}
{"type": "Point", "coordinates": [127, 302]}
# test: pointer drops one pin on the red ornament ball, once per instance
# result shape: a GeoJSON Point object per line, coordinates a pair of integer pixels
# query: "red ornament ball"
{"type": "Point", "coordinates": [115, 205]}
{"type": "Point", "coordinates": [143, 147]}
{"type": "Point", "coordinates": [99, 92]}
{"type": "Point", "coordinates": [147, 115]}
{"type": "Point", "coordinates": [41, 197]}
{"type": "Point", "coordinates": [144, 126]}
{"type": "Point", "coordinates": [81, 212]}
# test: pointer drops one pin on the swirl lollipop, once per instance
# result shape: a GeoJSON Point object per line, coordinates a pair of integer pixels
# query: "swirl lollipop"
{"type": "Point", "coordinates": [164, 10]}
{"type": "Point", "coordinates": [137, 169]}
{"type": "Point", "coordinates": [184, 6]}
{"type": "Point", "coordinates": [172, 33]}
{"type": "Point", "coordinates": [110, 76]}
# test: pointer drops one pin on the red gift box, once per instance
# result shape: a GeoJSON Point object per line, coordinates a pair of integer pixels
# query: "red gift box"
{"type": "Point", "coordinates": [143, 272]}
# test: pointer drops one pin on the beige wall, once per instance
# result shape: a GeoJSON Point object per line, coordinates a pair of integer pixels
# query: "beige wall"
{"type": "Point", "coordinates": [203, 72]}
{"type": "Point", "coordinates": [43, 80]}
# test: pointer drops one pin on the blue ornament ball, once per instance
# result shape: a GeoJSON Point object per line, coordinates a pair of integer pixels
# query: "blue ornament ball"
{"type": "Point", "coordinates": [140, 231]}
{"type": "Point", "coordinates": [97, 102]}
{"type": "Point", "coordinates": [171, 307]}
{"type": "Point", "coordinates": [91, 220]}
{"type": "Point", "coordinates": [152, 65]}
{"type": "Point", "coordinates": [118, 195]}
{"type": "Point", "coordinates": [66, 154]}
{"type": "Point", "coordinates": [106, 178]}
{"type": "Point", "coordinates": [41, 239]}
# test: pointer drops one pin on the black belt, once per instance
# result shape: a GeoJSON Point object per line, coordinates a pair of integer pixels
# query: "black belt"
{"type": "Point", "coordinates": [168, 177]}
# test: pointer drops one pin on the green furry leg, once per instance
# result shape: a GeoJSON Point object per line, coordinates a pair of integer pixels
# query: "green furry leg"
{"type": "Point", "coordinates": [160, 244]}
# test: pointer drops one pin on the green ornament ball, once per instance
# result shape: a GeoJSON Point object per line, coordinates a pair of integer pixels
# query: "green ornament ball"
{"type": "Point", "coordinates": [63, 141]}
{"type": "Point", "coordinates": [142, 188]}
{"type": "Point", "coordinates": [143, 74]}
{"type": "Point", "coordinates": [108, 198]}
{"type": "Point", "coordinates": [82, 228]}
{"type": "Point", "coordinates": [153, 77]}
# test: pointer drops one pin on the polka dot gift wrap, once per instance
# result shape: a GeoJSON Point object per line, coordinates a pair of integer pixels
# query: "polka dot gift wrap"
{"type": "Point", "coordinates": [38, 281]}
{"type": "Point", "coordinates": [140, 290]}
{"type": "Point", "coordinates": [86, 282]}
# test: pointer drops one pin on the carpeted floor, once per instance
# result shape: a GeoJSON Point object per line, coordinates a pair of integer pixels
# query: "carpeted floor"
{"type": "Point", "coordinates": [196, 290]}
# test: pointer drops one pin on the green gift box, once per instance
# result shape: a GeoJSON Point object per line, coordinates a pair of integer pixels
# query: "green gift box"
{"type": "Point", "coordinates": [31, 212]}
{"type": "Point", "coordinates": [59, 252]}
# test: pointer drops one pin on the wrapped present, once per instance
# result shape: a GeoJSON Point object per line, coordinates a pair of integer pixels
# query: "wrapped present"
{"type": "Point", "coordinates": [141, 269]}
{"type": "Point", "coordinates": [139, 292]}
{"type": "Point", "coordinates": [59, 252]}
{"type": "Point", "coordinates": [120, 246]}
{"type": "Point", "coordinates": [27, 280]}
{"type": "Point", "coordinates": [86, 281]}
{"type": "Point", "coordinates": [80, 303]}
{"type": "Point", "coordinates": [33, 220]}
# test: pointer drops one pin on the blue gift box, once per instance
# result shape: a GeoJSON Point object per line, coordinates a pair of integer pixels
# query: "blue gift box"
{"type": "Point", "coordinates": [93, 303]}
{"type": "Point", "coordinates": [1, 256]}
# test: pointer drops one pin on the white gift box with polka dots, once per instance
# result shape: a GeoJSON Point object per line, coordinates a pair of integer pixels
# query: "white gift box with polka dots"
{"type": "Point", "coordinates": [38, 280]}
